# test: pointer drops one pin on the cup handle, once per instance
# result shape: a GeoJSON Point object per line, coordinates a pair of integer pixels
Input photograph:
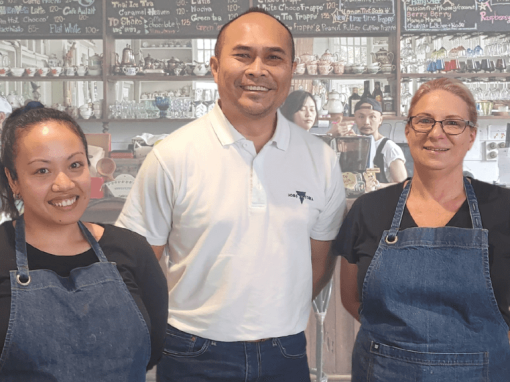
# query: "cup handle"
{"type": "Point", "coordinates": [330, 69]}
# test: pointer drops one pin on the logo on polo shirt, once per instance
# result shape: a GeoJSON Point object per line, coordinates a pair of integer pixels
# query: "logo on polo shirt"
{"type": "Point", "coordinates": [301, 195]}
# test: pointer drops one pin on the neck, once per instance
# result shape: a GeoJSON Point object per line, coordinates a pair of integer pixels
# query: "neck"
{"type": "Point", "coordinates": [378, 135]}
{"type": "Point", "coordinates": [257, 129]}
{"type": "Point", "coordinates": [44, 234]}
{"type": "Point", "coordinates": [438, 186]}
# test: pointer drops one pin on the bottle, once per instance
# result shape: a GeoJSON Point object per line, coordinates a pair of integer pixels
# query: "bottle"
{"type": "Point", "coordinates": [387, 100]}
{"type": "Point", "coordinates": [366, 90]}
{"type": "Point", "coordinates": [378, 94]}
{"type": "Point", "coordinates": [353, 100]}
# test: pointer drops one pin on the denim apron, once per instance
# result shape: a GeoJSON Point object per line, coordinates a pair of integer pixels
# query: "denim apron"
{"type": "Point", "coordinates": [428, 308]}
{"type": "Point", "coordinates": [85, 327]}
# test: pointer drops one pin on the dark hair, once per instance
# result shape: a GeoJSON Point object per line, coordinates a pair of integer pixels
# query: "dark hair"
{"type": "Point", "coordinates": [450, 85]}
{"type": "Point", "coordinates": [221, 34]}
{"type": "Point", "coordinates": [20, 122]}
{"type": "Point", "coordinates": [295, 102]}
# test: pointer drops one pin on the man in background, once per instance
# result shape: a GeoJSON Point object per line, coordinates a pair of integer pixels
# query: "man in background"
{"type": "Point", "coordinates": [245, 205]}
{"type": "Point", "coordinates": [384, 154]}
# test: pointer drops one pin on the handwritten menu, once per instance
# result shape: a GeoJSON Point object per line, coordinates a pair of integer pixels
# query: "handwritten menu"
{"type": "Point", "coordinates": [186, 18]}
{"type": "Point", "coordinates": [51, 18]}
{"type": "Point", "coordinates": [333, 17]}
{"type": "Point", "coordinates": [456, 15]}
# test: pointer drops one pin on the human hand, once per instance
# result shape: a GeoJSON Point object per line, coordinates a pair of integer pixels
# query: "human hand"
{"type": "Point", "coordinates": [371, 182]}
{"type": "Point", "coordinates": [341, 129]}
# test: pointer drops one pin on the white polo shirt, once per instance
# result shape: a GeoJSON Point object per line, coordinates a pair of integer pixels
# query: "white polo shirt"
{"type": "Point", "coordinates": [237, 225]}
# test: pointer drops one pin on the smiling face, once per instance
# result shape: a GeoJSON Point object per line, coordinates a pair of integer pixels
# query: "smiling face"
{"type": "Point", "coordinates": [436, 150]}
{"type": "Point", "coordinates": [305, 117]}
{"type": "Point", "coordinates": [255, 68]}
{"type": "Point", "coordinates": [53, 174]}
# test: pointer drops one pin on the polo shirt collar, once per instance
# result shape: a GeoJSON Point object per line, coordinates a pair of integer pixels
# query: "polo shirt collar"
{"type": "Point", "coordinates": [228, 135]}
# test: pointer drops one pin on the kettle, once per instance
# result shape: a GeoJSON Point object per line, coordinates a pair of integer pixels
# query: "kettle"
{"type": "Point", "coordinates": [334, 104]}
{"type": "Point", "coordinates": [128, 57]}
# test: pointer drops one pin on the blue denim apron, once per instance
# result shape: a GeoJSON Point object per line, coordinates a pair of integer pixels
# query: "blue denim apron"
{"type": "Point", "coordinates": [428, 308]}
{"type": "Point", "coordinates": [85, 327]}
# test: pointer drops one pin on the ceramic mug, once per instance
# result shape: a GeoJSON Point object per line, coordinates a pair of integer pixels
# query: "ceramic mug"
{"type": "Point", "coordinates": [85, 113]}
{"type": "Point", "coordinates": [30, 71]}
{"type": "Point", "coordinates": [388, 68]}
{"type": "Point", "coordinates": [130, 70]}
{"type": "Point", "coordinates": [70, 71]}
{"type": "Point", "coordinates": [325, 69]}
{"type": "Point", "coordinates": [81, 70]}
{"type": "Point", "coordinates": [43, 71]}
{"type": "Point", "coordinates": [300, 68]}
{"type": "Point", "coordinates": [4, 71]}
{"type": "Point", "coordinates": [311, 69]}
{"type": "Point", "coordinates": [56, 71]}
{"type": "Point", "coordinates": [338, 68]}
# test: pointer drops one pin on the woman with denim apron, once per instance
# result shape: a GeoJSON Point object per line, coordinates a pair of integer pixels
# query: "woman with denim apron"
{"type": "Point", "coordinates": [85, 326]}
{"type": "Point", "coordinates": [428, 309]}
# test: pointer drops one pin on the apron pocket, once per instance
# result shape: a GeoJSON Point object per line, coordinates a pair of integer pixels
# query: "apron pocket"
{"type": "Point", "coordinates": [389, 363]}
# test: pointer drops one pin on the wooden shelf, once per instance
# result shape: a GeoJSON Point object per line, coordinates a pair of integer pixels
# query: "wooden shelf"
{"type": "Point", "coordinates": [208, 77]}
{"type": "Point", "coordinates": [344, 76]}
{"type": "Point", "coordinates": [165, 48]}
{"type": "Point", "coordinates": [51, 78]}
{"type": "Point", "coordinates": [149, 120]}
{"type": "Point", "coordinates": [455, 75]}
{"type": "Point", "coordinates": [159, 77]}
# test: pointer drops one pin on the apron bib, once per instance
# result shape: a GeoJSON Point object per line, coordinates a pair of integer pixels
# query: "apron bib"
{"type": "Point", "coordinates": [85, 327]}
{"type": "Point", "coordinates": [428, 308]}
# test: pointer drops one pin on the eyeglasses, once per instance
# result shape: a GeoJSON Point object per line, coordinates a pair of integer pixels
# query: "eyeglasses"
{"type": "Point", "coordinates": [451, 126]}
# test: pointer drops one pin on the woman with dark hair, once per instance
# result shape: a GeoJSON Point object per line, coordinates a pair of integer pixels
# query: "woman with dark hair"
{"type": "Point", "coordinates": [300, 108]}
{"type": "Point", "coordinates": [426, 262]}
{"type": "Point", "coordinates": [78, 301]}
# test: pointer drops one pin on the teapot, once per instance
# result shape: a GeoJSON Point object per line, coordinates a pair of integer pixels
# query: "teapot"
{"type": "Point", "coordinates": [201, 69]}
{"type": "Point", "coordinates": [383, 56]}
{"type": "Point", "coordinates": [128, 57]}
{"type": "Point", "coordinates": [53, 61]}
{"type": "Point", "coordinates": [334, 104]}
{"type": "Point", "coordinates": [13, 99]}
{"type": "Point", "coordinates": [96, 62]}
{"type": "Point", "coordinates": [306, 58]}
{"type": "Point", "coordinates": [148, 62]}
{"type": "Point", "coordinates": [172, 63]}
{"type": "Point", "coordinates": [328, 57]}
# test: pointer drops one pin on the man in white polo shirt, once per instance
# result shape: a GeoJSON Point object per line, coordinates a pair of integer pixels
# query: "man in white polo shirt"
{"type": "Point", "coordinates": [245, 204]}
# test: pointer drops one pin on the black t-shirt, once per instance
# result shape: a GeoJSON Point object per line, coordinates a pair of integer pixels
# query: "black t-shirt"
{"type": "Point", "coordinates": [372, 213]}
{"type": "Point", "coordinates": [135, 261]}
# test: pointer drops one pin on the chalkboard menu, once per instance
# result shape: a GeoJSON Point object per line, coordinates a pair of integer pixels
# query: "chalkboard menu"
{"type": "Point", "coordinates": [318, 17]}
{"type": "Point", "coordinates": [163, 18]}
{"type": "Point", "coordinates": [455, 15]}
{"type": "Point", "coordinates": [24, 19]}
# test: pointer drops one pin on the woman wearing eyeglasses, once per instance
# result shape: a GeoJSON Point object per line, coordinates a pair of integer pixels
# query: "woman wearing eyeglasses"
{"type": "Point", "coordinates": [426, 263]}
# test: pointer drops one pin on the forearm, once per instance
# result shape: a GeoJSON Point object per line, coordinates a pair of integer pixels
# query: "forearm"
{"type": "Point", "coordinates": [323, 265]}
{"type": "Point", "coordinates": [349, 288]}
{"type": "Point", "coordinates": [321, 278]}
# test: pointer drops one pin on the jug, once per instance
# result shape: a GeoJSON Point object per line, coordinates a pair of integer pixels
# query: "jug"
{"type": "Point", "coordinates": [128, 57]}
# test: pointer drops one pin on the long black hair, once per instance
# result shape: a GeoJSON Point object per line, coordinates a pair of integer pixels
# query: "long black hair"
{"type": "Point", "coordinates": [15, 127]}
{"type": "Point", "coordinates": [295, 102]}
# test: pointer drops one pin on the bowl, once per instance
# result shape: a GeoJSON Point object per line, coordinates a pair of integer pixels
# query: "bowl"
{"type": "Point", "coordinates": [17, 72]}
